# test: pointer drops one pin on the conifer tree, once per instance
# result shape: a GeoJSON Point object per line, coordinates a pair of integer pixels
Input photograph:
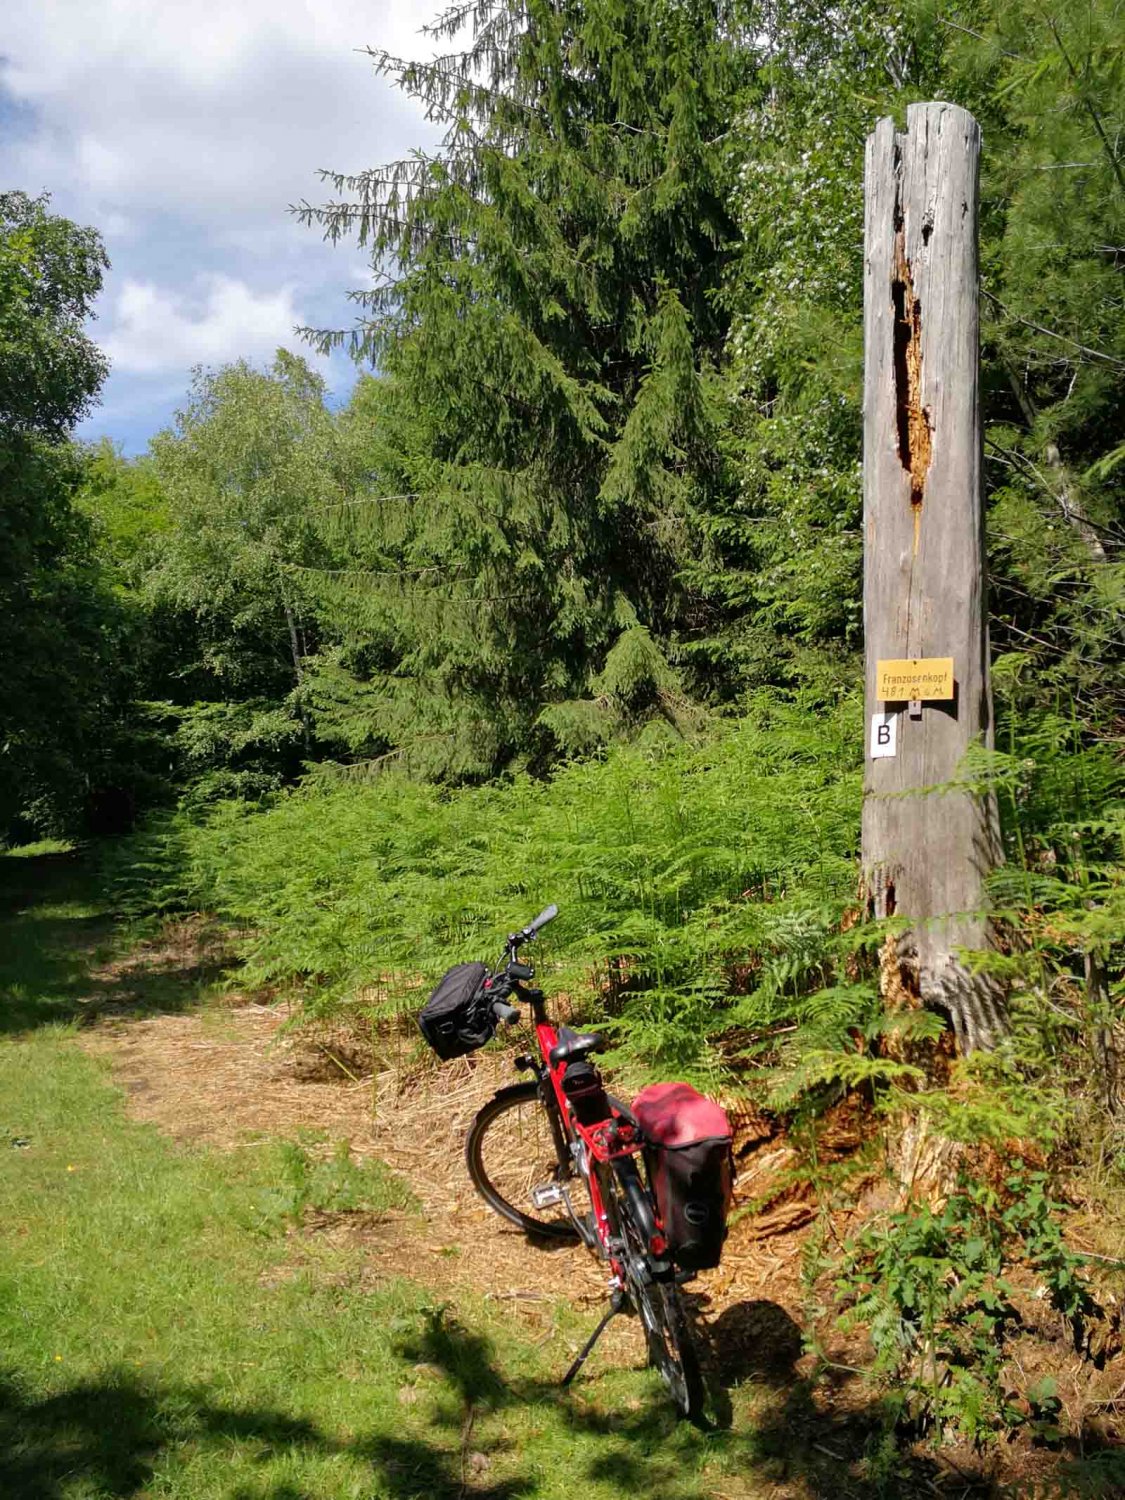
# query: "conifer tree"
{"type": "Point", "coordinates": [547, 324]}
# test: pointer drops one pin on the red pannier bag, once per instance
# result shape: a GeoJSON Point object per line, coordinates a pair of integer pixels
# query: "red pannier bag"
{"type": "Point", "coordinates": [690, 1165]}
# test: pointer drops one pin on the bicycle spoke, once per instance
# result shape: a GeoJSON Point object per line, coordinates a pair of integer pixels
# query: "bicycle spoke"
{"type": "Point", "coordinates": [513, 1163]}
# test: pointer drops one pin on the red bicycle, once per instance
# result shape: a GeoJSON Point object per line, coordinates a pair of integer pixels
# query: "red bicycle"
{"type": "Point", "coordinates": [560, 1157]}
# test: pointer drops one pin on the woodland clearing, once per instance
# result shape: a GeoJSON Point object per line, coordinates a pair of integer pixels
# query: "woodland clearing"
{"type": "Point", "coordinates": [422, 1313]}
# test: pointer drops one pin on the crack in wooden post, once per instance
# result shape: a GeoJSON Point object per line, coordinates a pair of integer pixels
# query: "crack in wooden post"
{"type": "Point", "coordinates": [915, 426]}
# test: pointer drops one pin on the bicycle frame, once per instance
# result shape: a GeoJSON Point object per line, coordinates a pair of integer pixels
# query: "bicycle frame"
{"type": "Point", "coordinates": [623, 1226]}
{"type": "Point", "coordinates": [611, 1144]}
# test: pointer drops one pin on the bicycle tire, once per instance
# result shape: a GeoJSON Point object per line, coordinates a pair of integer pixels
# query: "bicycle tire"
{"type": "Point", "coordinates": [672, 1352]}
{"type": "Point", "coordinates": [667, 1330]}
{"type": "Point", "coordinates": [509, 1150]}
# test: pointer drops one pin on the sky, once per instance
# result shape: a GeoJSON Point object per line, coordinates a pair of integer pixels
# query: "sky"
{"type": "Point", "coordinates": [182, 130]}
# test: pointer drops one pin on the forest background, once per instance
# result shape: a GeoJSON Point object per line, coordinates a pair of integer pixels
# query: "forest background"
{"type": "Point", "coordinates": [564, 603]}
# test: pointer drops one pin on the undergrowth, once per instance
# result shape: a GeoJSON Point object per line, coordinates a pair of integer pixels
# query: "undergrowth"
{"type": "Point", "coordinates": [336, 1183]}
{"type": "Point", "coordinates": [709, 916]}
{"type": "Point", "coordinates": [701, 888]}
{"type": "Point", "coordinates": [932, 1287]}
{"type": "Point", "coordinates": [709, 920]}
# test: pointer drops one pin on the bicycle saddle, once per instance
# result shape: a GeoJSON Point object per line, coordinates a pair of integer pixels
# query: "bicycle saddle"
{"type": "Point", "coordinates": [573, 1045]}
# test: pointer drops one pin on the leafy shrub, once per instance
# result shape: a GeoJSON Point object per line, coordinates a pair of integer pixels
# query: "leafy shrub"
{"type": "Point", "coordinates": [932, 1288]}
{"type": "Point", "coordinates": [700, 888]}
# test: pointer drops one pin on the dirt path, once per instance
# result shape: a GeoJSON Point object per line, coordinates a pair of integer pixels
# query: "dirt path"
{"type": "Point", "coordinates": [229, 1074]}
{"type": "Point", "coordinates": [222, 1078]}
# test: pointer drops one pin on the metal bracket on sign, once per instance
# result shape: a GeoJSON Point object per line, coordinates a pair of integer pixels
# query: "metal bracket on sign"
{"type": "Point", "coordinates": [914, 708]}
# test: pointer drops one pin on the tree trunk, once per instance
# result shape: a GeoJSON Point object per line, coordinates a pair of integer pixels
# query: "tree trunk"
{"type": "Point", "coordinates": [1070, 505]}
{"type": "Point", "coordinates": [298, 665]}
{"type": "Point", "coordinates": [926, 853]}
{"type": "Point", "coordinates": [1063, 490]}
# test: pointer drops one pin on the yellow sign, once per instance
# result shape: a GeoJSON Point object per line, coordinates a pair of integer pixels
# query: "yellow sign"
{"type": "Point", "coordinates": [914, 678]}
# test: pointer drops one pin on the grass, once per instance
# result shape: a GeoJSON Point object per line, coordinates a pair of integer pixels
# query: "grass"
{"type": "Point", "coordinates": [169, 1330]}
{"type": "Point", "coordinates": [158, 1338]}
{"type": "Point", "coordinates": [154, 1343]}
{"type": "Point", "coordinates": [37, 849]}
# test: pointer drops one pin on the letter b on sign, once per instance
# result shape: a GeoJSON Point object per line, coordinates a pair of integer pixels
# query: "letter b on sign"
{"type": "Point", "coordinates": [884, 735]}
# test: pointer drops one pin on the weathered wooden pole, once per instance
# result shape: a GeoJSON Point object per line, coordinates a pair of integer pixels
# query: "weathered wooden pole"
{"type": "Point", "coordinates": [926, 853]}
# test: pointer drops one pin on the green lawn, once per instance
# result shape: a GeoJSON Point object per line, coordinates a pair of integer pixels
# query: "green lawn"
{"type": "Point", "coordinates": [157, 1339]}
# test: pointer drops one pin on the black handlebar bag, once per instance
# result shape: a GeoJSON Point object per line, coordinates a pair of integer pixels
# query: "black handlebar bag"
{"type": "Point", "coordinates": [457, 1018]}
{"type": "Point", "coordinates": [691, 1168]}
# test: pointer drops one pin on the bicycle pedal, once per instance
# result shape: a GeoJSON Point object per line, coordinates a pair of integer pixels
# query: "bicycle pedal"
{"type": "Point", "coordinates": [547, 1195]}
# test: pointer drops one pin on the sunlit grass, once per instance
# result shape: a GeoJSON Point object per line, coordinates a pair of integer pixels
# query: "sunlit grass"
{"type": "Point", "coordinates": [36, 849]}
{"type": "Point", "coordinates": [159, 1334]}
{"type": "Point", "coordinates": [168, 1329]}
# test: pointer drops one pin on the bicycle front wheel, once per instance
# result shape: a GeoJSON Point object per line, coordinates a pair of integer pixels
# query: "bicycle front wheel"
{"type": "Point", "coordinates": [511, 1152]}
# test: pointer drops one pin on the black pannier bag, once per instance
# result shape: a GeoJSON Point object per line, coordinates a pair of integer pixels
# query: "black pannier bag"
{"type": "Point", "coordinates": [690, 1165]}
{"type": "Point", "coordinates": [457, 1018]}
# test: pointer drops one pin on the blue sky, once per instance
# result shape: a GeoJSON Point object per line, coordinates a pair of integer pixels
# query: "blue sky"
{"type": "Point", "coordinates": [182, 129]}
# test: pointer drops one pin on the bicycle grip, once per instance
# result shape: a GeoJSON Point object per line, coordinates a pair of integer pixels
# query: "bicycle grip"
{"type": "Point", "coordinates": [548, 914]}
{"type": "Point", "coordinates": [504, 1012]}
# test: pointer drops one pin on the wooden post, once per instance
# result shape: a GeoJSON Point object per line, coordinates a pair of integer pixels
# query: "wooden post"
{"type": "Point", "coordinates": [926, 853]}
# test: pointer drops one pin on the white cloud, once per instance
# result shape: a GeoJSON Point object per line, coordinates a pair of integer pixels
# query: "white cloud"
{"type": "Point", "coordinates": [154, 329]}
{"type": "Point", "coordinates": [204, 106]}
{"type": "Point", "coordinates": [182, 129]}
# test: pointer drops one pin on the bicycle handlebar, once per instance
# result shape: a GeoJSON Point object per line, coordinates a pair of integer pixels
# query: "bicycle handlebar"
{"type": "Point", "coordinates": [548, 914]}
{"type": "Point", "coordinates": [505, 1012]}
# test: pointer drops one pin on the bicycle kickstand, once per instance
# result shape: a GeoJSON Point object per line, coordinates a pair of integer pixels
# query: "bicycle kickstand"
{"type": "Point", "coordinates": [616, 1305]}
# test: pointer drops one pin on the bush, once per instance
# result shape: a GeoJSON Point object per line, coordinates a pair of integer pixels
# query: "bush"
{"type": "Point", "coordinates": [933, 1289]}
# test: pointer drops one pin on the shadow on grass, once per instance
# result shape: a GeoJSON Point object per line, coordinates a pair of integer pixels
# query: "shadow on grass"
{"type": "Point", "coordinates": [116, 1437]}
{"type": "Point", "coordinates": [789, 1447]}
{"type": "Point", "coordinates": [801, 1440]}
{"type": "Point", "coordinates": [107, 1439]}
{"type": "Point", "coordinates": [642, 1448]}
{"type": "Point", "coordinates": [55, 935]}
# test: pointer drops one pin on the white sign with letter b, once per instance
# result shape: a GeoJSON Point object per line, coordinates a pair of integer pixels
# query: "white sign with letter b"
{"type": "Point", "coordinates": [884, 735]}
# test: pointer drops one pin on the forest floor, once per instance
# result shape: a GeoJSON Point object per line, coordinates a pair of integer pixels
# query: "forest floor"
{"type": "Point", "coordinates": [175, 1324]}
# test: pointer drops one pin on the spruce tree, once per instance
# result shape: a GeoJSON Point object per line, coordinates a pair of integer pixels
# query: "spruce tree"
{"type": "Point", "coordinates": [547, 325]}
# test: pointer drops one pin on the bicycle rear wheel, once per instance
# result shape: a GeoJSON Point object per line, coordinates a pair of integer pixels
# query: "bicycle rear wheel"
{"type": "Point", "coordinates": [511, 1150]}
{"type": "Point", "coordinates": [671, 1345]}
{"type": "Point", "coordinates": [660, 1307]}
